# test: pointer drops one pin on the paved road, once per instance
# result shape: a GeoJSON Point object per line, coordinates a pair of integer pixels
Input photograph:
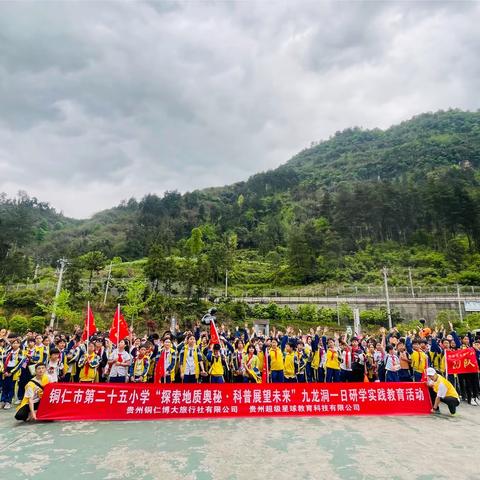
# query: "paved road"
{"type": "Point", "coordinates": [423, 447]}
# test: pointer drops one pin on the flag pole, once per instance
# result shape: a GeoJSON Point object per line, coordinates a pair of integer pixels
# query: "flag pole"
{"type": "Point", "coordinates": [118, 324]}
{"type": "Point", "coordinates": [88, 324]}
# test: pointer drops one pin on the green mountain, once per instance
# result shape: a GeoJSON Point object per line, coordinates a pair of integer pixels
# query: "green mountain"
{"type": "Point", "coordinates": [414, 185]}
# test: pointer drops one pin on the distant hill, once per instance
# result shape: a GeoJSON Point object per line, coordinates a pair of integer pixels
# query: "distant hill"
{"type": "Point", "coordinates": [413, 183]}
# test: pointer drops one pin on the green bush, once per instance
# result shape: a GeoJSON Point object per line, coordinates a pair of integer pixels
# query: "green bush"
{"type": "Point", "coordinates": [22, 299]}
{"type": "Point", "coordinates": [375, 316]}
{"type": "Point", "coordinates": [19, 324]}
{"type": "Point", "coordinates": [473, 320]}
{"type": "Point", "coordinates": [37, 324]}
{"type": "Point", "coordinates": [3, 322]}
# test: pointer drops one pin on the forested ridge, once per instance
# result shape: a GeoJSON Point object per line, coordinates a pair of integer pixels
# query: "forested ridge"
{"type": "Point", "coordinates": [407, 196]}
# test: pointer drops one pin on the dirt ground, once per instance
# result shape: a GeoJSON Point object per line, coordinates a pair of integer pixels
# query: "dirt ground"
{"type": "Point", "coordinates": [414, 447]}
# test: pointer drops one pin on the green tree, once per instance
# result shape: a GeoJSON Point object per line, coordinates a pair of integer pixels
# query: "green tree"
{"type": "Point", "coordinates": [161, 269]}
{"type": "Point", "coordinates": [195, 242]}
{"type": "Point", "coordinates": [93, 262]}
{"type": "Point", "coordinates": [135, 299]}
{"type": "Point", "coordinates": [61, 308]}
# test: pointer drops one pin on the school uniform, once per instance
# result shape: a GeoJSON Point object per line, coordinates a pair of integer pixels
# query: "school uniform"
{"type": "Point", "coordinates": [190, 358]}
{"type": "Point", "coordinates": [318, 360]}
{"type": "Point", "coordinates": [88, 364]}
{"type": "Point", "coordinates": [118, 373]}
{"type": "Point", "coordinates": [139, 369]}
{"type": "Point", "coordinates": [31, 357]}
{"type": "Point", "coordinates": [165, 366]}
{"type": "Point", "coordinates": [237, 366]}
{"type": "Point", "coordinates": [332, 365]}
{"type": "Point", "coordinates": [290, 367]}
{"type": "Point", "coordinates": [392, 366]}
{"type": "Point", "coordinates": [34, 392]}
{"type": "Point", "coordinates": [216, 368]}
{"type": "Point", "coordinates": [252, 368]}
{"type": "Point", "coordinates": [302, 359]}
{"type": "Point", "coordinates": [12, 365]}
{"type": "Point", "coordinates": [276, 365]}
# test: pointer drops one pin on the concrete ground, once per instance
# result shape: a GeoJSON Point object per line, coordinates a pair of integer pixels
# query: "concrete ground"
{"type": "Point", "coordinates": [423, 447]}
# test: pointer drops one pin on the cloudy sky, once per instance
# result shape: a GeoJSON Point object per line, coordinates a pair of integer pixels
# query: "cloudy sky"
{"type": "Point", "coordinates": [101, 101]}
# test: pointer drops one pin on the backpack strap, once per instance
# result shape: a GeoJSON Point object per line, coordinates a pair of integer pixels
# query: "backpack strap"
{"type": "Point", "coordinates": [39, 385]}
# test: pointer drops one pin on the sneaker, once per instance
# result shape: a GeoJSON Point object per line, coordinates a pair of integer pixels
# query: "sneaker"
{"type": "Point", "coordinates": [7, 406]}
{"type": "Point", "coordinates": [473, 403]}
{"type": "Point", "coordinates": [2, 404]}
{"type": "Point", "coordinates": [17, 402]}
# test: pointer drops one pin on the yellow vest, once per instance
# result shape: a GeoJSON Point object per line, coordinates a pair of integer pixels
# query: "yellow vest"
{"type": "Point", "coordinates": [43, 382]}
{"type": "Point", "coordinates": [419, 361]}
{"type": "Point", "coordinates": [217, 366]}
{"type": "Point", "coordinates": [332, 360]}
{"type": "Point", "coordinates": [261, 360]}
{"type": "Point", "coordinates": [290, 365]}
{"type": "Point", "coordinates": [451, 392]}
{"type": "Point", "coordinates": [92, 371]}
{"type": "Point", "coordinates": [276, 359]}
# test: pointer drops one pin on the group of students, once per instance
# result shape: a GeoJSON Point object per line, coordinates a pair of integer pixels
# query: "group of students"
{"type": "Point", "coordinates": [241, 356]}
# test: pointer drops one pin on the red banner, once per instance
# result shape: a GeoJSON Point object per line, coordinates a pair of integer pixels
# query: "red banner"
{"type": "Point", "coordinates": [113, 401]}
{"type": "Point", "coordinates": [461, 361]}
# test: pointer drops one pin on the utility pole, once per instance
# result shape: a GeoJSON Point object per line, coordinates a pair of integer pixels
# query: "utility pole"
{"type": "Point", "coordinates": [459, 303]}
{"type": "Point", "coordinates": [387, 297]}
{"type": "Point", "coordinates": [226, 283]}
{"type": "Point", "coordinates": [35, 275]}
{"type": "Point", "coordinates": [338, 313]}
{"type": "Point", "coordinates": [107, 285]}
{"type": "Point", "coordinates": [63, 264]}
{"type": "Point", "coordinates": [411, 281]}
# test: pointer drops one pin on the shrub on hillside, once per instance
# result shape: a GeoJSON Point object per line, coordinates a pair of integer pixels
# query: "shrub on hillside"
{"type": "Point", "coordinates": [37, 324]}
{"type": "Point", "coordinates": [22, 299]}
{"type": "Point", "coordinates": [19, 324]}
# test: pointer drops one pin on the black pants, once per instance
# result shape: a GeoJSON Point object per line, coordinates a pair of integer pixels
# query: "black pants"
{"type": "Point", "coordinates": [451, 402]}
{"type": "Point", "coordinates": [189, 379]}
{"type": "Point", "coordinates": [25, 377]}
{"type": "Point", "coordinates": [357, 375]}
{"type": "Point", "coordinates": [24, 412]}
{"type": "Point", "coordinates": [468, 385]}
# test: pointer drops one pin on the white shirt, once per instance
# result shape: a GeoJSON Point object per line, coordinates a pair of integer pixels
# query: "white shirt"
{"type": "Point", "coordinates": [52, 371]}
{"type": "Point", "coordinates": [119, 370]}
{"type": "Point", "coordinates": [190, 365]}
{"type": "Point", "coordinates": [442, 390]}
{"type": "Point", "coordinates": [13, 359]}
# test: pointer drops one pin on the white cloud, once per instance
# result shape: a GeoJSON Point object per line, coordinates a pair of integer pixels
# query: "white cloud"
{"type": "Point", "coordinates": [101, 101]}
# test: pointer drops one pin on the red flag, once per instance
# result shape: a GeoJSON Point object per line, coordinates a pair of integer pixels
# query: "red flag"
{"type": "Point", "coordinates": [119, 329]}
{"type": "Point", "coordinates": [89, 327]}
{"type": "Point", "coordinates": [214, 338]}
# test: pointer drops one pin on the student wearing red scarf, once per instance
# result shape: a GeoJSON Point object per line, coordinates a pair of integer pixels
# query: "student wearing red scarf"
{"type": "Point", "coordinates": [88, 364]}
{"type": "Point", "coordinates": [119, 361]}
{"type": "Point", "coordinates": [165, 363]}
{"type": "Point", "coordinates": [139, 367]}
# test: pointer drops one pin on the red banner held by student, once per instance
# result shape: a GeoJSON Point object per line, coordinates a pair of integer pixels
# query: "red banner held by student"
{"type": "Point", "coordinates": [461, 361]}
{"type": "Point", "coordinates": [113, 401]}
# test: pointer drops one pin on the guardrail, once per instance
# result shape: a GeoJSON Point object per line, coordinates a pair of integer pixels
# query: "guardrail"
{"type": "Point", "coordinates": [356, 299]}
